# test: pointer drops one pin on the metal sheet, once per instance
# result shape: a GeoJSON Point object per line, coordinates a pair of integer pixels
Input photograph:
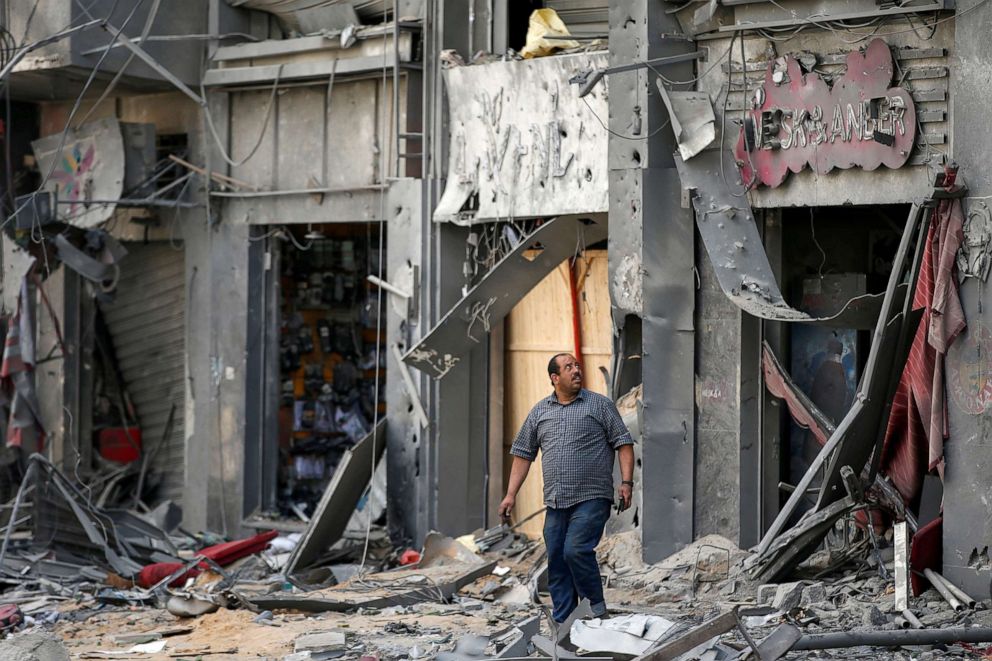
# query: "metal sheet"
{"type": "Point", "coordinates": [522, 144]}
{"type": "Point", "coordinates": [726, 225]}
{"type": "Point", "coordinates": [692, 119]}
{"type": "Point", "coordinates": [89, 166]}
{"type": "Point", "coordinates": [499, 290]}
{"type": "Point", "coordinates": [668, 367]}
{"type": "Point", "coordinates": [729, 232]}
{"type": "Point", "coordinates": [351, 477]}
{"type": "Point", "coordinates": [147, 321]}
{"type": "Point", "coordinates": [287, 10]}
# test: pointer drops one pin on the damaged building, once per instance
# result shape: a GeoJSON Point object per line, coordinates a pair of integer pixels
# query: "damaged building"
{"type": "Point", "coordinates": [299, 267]}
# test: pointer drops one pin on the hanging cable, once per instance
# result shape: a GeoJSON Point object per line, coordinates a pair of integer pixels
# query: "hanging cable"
{"type": "Point", "coordinates": [261, 134]}
{"type": "Point", "coordinates": [152, 14]}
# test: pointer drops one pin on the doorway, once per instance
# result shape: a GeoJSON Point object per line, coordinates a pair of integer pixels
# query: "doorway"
{"type": "Point", "coordinates": [316, 374]}
{"type": "Point", "coordinates": [826, 256]}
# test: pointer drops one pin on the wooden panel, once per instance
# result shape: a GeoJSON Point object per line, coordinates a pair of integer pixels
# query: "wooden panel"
{"type": "Point", "coordinates": [536, 329]}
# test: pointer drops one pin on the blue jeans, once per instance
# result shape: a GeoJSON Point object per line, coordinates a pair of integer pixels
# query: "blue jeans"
{"type": "Point", "coordinates": [571, 536]}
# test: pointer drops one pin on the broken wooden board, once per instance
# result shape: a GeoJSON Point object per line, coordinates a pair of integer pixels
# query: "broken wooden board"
{"type": "Point", "coordinates": [401, 587]}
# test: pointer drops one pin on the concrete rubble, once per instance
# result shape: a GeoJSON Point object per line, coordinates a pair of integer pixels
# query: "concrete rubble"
{"type": "Point", "coordinates": [482, 596]}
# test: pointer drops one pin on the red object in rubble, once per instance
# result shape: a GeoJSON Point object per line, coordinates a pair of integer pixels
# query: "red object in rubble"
{"type": "Point", "coordinates": [926, 552]}
{"type": "Point", "coordinates": [120, 444]}
{"type": "Point", "coordinates": [223, 554]}
{"type": "Point", "coordinates": [410, 557]}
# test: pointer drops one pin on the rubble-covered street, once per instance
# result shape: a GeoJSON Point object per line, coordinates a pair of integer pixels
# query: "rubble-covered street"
{"type": "Point", "coordinates": [455, 603]}
{"type": "Point", "coordinates": [453, 330]}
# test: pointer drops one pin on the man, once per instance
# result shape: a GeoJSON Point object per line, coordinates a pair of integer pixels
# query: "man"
{"type": "Point", "coordinates": [577, 432]}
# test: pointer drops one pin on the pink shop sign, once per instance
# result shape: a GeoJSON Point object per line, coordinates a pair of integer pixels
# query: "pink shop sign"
{"type": "Point", "coordinates": [797, 120]}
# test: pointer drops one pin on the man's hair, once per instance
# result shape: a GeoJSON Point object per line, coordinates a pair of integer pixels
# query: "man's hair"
{"type": "Point", "coordinates": [553, 364]}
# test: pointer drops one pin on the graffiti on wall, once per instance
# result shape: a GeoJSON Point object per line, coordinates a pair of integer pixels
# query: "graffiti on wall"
{"type": "Point", "coordinates": [85, 171]}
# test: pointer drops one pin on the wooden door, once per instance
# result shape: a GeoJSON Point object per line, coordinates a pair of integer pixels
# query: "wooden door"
{"type": "Point", "coordinates": [536, 329]}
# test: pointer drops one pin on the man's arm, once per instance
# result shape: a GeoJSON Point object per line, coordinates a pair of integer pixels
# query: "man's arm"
{"type": "Point", "coordinates": [518, 473]}
{"type": "Point", "coordinates": [626, 454]}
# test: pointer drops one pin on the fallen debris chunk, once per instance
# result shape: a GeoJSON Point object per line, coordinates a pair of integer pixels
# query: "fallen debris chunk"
{"type": "Point", "coordinates": [322, 644]}
{"type": "Point", "coordinates": [149, 636]}
{"type": "Point", "coordinates": [715, 626]}
{"type": "Point", "coordinates": [33, 647]}
{"type": "Point", "coordinates": [776, 645]}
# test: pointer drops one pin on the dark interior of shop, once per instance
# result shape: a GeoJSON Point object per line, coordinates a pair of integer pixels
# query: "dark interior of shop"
{"type": "Point", "coordinates": [830, 255]}
{"type": "Point", "coordinates": [331, 333]}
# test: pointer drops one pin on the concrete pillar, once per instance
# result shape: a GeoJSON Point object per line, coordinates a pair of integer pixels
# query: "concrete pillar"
{"type": "Point", "coordinates": [968, 453]}
{"type": "Point", "coordinates": [651, 247]}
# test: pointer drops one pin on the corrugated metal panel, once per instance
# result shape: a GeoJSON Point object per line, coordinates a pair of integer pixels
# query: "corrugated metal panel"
{"type": "Point", "coordinates": [583, 16]}
{"type": "Point", "coordinates": [147, 323]}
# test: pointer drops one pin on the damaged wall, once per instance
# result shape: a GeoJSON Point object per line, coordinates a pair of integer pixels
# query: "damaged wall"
{"type": "Point", "coordinates": [717, 397]}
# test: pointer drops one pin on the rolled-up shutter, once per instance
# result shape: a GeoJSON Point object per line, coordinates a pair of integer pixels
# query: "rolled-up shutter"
{"type": "Point", "coordinates": [147, 323]}
{"type": "Point", "coordinates": [583, 16]}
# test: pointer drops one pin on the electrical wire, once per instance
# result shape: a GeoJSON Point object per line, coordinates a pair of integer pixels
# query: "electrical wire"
{"type": "Point", "coordinates": [152, 14]}
{"type": "Point", "coordinates": [69, 120]}
{"type": "Point", "coordinates": [621, 135]}
{"type": "Point", "coordinates": [823, 259]}
{"type": "Point", "coordinates": [261, 134]}
{"type": "Point", "coordinates": [378, 301]}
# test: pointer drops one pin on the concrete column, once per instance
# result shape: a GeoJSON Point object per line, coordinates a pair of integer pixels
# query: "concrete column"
{"type": "Point", "coordinates": [651, 249]}
{"type": "Point", "coordinates": [968, 452]}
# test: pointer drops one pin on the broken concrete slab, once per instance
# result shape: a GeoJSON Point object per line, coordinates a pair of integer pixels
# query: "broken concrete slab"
{"type": "Point", "coordinates": [393, 588]}
{"type": "Point", "coordinates": [33, 647]}
{"type": "Point", "coordinates": [321, 643]}
{"type": "Point", "coordinates": [787, 596]}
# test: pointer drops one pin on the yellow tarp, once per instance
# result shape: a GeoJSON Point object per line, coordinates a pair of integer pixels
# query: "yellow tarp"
{"type": "Point", "coordinates": [546, 23]}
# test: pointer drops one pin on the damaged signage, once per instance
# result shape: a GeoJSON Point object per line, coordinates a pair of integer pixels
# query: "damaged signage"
{"type": "Point", "coordinates": [85, 171]}
{"type": "Point", "coordinates": [797, 120]}
{"type": "Point", "coordinates": [522, 142]}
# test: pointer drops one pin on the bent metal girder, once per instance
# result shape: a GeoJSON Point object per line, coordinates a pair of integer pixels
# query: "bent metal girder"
{"type": "Point", "coordinates": [500, 289]}
{"type": "Point", "coordinates": [728, 230]}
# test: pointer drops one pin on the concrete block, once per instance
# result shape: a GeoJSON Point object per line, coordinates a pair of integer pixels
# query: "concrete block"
{"type": "Point", "coordinates": [766, 593]}
{"type": "Point", "coordinates": [813, 594]}
{"type": "Point", "coordinates": [787, 596]}
{"type": "Point", "coordinates": [873, 617]}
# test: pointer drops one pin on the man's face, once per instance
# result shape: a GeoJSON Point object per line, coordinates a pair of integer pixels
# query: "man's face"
{"type": "Point", "coordinates": [569, 377]}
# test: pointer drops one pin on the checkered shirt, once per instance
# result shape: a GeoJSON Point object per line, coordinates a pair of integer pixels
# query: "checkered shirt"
{"type": "Point", "coordinates": [577, 442]}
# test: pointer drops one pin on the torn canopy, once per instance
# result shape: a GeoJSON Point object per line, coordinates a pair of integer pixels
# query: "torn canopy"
{"type": "Point", "coordinates": [728, 230]}
{"type": "Point", "coordinates": [499, 290]}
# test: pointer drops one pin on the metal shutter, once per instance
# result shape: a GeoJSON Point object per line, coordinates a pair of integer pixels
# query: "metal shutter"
{"type": "Point", "coordinates": [147, 322]}
{"type": "Point", "coordinates": [583, 16]}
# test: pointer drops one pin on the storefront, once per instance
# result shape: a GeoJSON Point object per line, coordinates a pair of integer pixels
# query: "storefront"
{"type": "Point", "coordinates": [321, 336]}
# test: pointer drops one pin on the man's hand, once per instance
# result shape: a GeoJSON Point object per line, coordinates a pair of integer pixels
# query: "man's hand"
{"type": "Point", "coordinates": [626, 494]}
{"type": "Point", "coordinates": [506, 507]}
